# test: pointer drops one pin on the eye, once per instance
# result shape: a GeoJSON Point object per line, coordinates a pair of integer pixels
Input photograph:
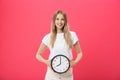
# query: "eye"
{"type": "Point", "coordinates": [57, 18]}
{"type": "Point", "coordinates": [62, 19]}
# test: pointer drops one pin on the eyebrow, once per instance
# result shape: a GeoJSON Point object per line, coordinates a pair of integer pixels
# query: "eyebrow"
{"type": "Point", "coordinates": [60, 18]}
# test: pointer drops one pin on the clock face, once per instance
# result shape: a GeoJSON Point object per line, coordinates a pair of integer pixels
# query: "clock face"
{"type": "Point", "coordinates": [60, 64]}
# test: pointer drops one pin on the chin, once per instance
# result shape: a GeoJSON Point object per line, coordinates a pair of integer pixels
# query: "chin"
{"type": "Point", "coordinates": [60, 27]}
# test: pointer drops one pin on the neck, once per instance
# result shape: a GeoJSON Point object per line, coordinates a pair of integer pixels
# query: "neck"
{"type": "Point", "coordinates": [59, 31]}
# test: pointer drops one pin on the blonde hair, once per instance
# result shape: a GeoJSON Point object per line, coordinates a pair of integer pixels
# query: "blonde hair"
{"type": "Point", "coordinates": [65, 30]}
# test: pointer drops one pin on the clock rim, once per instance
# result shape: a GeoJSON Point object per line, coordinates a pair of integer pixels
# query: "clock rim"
{"type": "Point", "coordinates": [57, 56]}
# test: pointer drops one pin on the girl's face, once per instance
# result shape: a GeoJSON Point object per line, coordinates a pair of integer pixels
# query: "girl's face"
{"type": "Point", "coordinates": [59, 21]}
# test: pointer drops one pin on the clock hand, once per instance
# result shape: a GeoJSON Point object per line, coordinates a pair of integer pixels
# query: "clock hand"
{"type": "Point", "coordinates": [60, 61]}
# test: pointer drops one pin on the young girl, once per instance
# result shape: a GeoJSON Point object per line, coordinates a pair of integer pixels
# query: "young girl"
{"type": "Point", "coordinates": [59, 40]}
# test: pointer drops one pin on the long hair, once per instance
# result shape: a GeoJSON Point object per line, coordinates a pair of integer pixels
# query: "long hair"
{"type": "Point", "coordinates": [65, 30]}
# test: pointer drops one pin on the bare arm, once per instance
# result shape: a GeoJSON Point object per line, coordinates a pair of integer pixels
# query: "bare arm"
{"type": "Point", "coordinates": [79, 54]}
{"type": "Point", "coordinates": [39, 53]}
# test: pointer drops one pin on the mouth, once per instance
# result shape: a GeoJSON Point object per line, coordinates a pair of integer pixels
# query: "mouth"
{"type": "Point", "coordinates": [60, 24]}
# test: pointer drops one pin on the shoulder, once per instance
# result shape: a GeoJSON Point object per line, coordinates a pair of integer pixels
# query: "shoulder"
{"type": "Point", "coordinates": [47, 36]}
{"type": "Point", "coordinates": [72, 33]}
{"type": "Point", "coordinates": [46, 39]}
{"type": "Point", "coordinates": [74, 37]}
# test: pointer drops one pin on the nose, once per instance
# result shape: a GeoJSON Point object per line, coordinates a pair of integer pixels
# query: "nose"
{"type": "Point", "coordinates": [60, 21]}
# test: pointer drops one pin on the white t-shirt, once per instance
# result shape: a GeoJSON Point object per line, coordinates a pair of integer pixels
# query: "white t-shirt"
{"type": "Point", "coordinates": [60, 46]}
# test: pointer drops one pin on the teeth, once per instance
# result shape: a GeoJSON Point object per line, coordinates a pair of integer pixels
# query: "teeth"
{"type": "Point", "coordinates": [59, 24]}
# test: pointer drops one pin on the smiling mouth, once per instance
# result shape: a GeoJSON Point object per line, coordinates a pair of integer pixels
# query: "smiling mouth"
{"type": "Point", "coordinates": [60, 24]}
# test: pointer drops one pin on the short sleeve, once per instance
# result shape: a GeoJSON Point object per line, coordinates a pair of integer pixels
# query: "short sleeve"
{"type": "Point", "coordinates": [46, 39]}
{"type": "Point", "coordinates": [74, 37]}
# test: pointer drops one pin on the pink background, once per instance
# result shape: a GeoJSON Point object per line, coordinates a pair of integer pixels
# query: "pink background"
{"type": "Point", "coordinates": [23, 23]}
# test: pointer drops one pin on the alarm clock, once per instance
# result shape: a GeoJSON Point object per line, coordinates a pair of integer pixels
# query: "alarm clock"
{"type": "Point", "coordinates": [60, 64]}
